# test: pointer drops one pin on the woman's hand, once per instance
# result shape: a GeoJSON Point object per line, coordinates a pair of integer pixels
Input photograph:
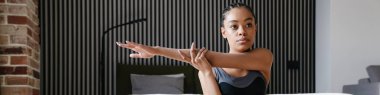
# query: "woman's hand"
{"type": "Point", "coordinates": [198, 60]}
{"type": "Point", "coordinates": [143, 51]}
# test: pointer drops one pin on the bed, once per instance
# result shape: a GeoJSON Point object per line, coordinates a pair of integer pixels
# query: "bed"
{"type": "Point", "coordinates": [123, 76]}
{"type": "Point", "coordinates": [191, 81]}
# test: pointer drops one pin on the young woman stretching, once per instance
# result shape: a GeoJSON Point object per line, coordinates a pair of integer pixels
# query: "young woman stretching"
{"type": "Point", "coordinates": [241, 71]}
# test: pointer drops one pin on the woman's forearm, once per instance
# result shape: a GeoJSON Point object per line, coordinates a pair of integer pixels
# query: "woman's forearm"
{"type": "Point", "coordinates": [217, 59]}
{"type": "Point", "coordinates": [209, 84]}
{"type": "Point", "coordinates": [203, 82]}
{"type": "Point", "coordinates": [172, 53]}
{"type": "Point", "coordinates": [258, 59]}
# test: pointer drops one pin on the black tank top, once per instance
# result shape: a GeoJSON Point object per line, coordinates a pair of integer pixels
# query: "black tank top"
{"type": "Point", "coordinates": [251, 84]}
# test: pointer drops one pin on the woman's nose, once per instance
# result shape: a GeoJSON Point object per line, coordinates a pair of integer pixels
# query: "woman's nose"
{"type": "Point", "coordinates": [242, 31]}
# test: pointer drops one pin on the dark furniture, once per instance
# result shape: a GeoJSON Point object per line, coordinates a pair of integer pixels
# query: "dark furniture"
{"type": "Point", "coordinates": [123, 81]}
{"type": "Point", "coordinates": [366, 86]}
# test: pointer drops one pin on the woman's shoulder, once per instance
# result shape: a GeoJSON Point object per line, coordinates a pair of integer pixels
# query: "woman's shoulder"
{"type": "Point", "coordinates": [267, 56]}
{"type": "Point", "coordinates": [262, 52]}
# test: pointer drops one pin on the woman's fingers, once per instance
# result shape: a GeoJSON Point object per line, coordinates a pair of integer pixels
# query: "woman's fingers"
{"type": "Point", "coordinates": [143, 50]}
{"type": "Point", "coordinates": [184, 56]}
{"type": "Point", "coordinates": [181, 54]}
{"type": "Point", "coordinates": [187, 58]}
{"type": "Point", "coordinates": [129, 42]}
{"type": "Point", "coordinates": [118, 43]}
{"type": "Point", "coordinates": [202, 54]}
{"type": "Point", "coordinates": [135, 55]}
{"type": "Point", "coordinates": [192, 52]}
{"type": "Point", "coordinates": [198, 58]}
{"type": "Point", "coordinates": [135, 47]}
{"type": "Point", "coordinates": [199, 52]}
{"type": "Point", "coordinates": [129, 46]}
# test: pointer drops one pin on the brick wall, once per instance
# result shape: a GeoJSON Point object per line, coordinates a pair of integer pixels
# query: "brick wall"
{"type": "Point", "coordinates": [19, 47]}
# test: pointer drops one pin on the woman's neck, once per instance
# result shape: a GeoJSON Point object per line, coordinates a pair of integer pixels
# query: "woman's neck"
{"type": "Point", "coordinates": [231, 51]}
{"type": "Point", "coordinates": [236, 51]}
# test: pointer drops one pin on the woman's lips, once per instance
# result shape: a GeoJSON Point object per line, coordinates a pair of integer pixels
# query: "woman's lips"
{"type": "Point", "coordinates": [242, 40]}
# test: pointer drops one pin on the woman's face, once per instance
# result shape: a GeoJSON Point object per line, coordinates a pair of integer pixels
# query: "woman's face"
{"type": "Point", "coordinates": [239, 28]}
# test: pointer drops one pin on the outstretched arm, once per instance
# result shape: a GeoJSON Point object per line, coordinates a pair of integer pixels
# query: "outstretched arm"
{"type": "Point", "coordinates": [259, 59]}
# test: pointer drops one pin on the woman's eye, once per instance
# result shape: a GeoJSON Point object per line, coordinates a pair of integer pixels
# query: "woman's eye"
{"type": "Point", "coordinates": [234, 27]}
{"type": "Point", "coordinates": [249, 25]}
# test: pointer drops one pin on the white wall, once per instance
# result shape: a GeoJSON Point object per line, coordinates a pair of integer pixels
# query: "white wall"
{"type": "Point", "coordinates": [323, 52]}
{"type": "Point", "coordinates": [348, 40]}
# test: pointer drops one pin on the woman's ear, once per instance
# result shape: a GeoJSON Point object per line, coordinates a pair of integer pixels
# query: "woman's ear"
{"type": "Point", "coordinates": [223, 31]}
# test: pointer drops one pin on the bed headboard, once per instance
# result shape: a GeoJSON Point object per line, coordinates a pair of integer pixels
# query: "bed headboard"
{"type": "Point", "coordinates": [123, 81]}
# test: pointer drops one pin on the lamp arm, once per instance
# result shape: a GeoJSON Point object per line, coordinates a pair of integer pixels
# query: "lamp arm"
{"type": "Point", "coordinates": [102, 53]}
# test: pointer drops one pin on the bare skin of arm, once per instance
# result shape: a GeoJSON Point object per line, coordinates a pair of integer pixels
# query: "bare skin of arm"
{"type": "Point", "coordinates": [258, 59]}
{"type": "Point", "coordinates": [205, 74]}
{"type": "Point", "coordinates": [208, 83]}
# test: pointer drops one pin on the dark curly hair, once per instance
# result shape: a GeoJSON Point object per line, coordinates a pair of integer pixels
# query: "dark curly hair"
{"type": "Point", "coordinates": [236, 5]}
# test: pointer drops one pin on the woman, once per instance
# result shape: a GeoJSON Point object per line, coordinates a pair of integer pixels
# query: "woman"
{"type": "Point", "coordinates": [242, 71]}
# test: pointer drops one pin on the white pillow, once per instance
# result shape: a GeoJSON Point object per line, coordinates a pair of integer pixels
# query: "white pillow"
{"type": "Point", "coordinates": [157, 84]}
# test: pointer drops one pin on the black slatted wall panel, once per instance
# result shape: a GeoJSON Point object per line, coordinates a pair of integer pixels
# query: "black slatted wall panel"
{"type": "Point", "coordinates": [71, 39]}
